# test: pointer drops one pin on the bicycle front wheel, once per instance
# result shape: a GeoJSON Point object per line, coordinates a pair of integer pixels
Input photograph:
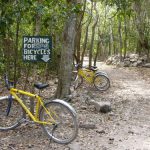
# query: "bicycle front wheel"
{"type": "Point", "coordinates": [101, 82]}
{"type": "Point", "coordinates": [65, 126]}
{"type": "Point", "coordinates": [12, 119]}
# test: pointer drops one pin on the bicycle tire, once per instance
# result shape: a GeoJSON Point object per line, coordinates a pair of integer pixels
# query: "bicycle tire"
{"type": "Point", "coordinates": [13, 119]}
{"type": "Point", "coordinates": [78, 81]}
{"type": "Point", "coordinates": [101, 82]}
{"type": "Point", "coordinates": [101, 73]}
{"type": "Point", "coordinates": [64, 130]}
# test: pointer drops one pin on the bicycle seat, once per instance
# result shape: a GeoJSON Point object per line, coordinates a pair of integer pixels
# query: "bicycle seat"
{"type": "Point", "coordinates": [94, 68]}
{"type": "Point", "coordinates": [40, 86]}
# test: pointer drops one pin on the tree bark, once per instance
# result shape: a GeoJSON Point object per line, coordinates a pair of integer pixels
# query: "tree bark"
{"type": "Point", "coordinates": [92, 38]}
{"type": "Point", "coordinates": [120, 39]}
{"type": "Point", "coordinates": [37, 30]}
{"type": "Point", "coordinates": [65, 70]}
{"type": "Point", "coordinates": [140, 24]}
{"type": "Point", "coordinates": [77, 52]}
{"type": "Point", "coordinates": [97, 48]}
{"type": "Point", "coordinates": [125, 36]}
{"type": "Point", "coordinates": [86, 35]}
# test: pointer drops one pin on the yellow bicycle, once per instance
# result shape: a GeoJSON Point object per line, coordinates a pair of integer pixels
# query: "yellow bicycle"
{"type": "Point", "coordinates": [57, 117]}
{"type": "Point", "coordinates": [92, 76]}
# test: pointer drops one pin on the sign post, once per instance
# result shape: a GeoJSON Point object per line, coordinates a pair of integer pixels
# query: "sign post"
{"type": "Point", "coordinates": [37, 48]}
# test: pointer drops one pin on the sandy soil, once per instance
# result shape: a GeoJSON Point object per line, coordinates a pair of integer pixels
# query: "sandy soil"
{"type": "Point", "coordinates": [126, 127]}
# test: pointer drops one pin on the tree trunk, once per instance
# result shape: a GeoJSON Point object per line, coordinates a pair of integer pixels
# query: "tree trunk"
{"type": "Point", "coordinates": [140, 24]}
{"type": "Point", "coordinates": [77, 44]}
{"type": "Point", "coordinates": [65, 70]}
{"type": "Point", "coordinates": [112, 44]}
{"type": "Point", "coordinates": [120, 39]}
{"type": "Point", "coordinates": [80, 17]}
{"type": "Point", "coordinates": [16, 46]}
{"type": "Point", "coordinates": [92, 38]}
{"type": "Point", "coordinates": [16, 52]}
{"type": "Point", "coordinates": [125, 36]}
{"type": "Point", "coordinates": [97, 49]}
{"type": "Point", "coordinates": [37, 30]}
{"type": "Point", "coordinates": [86, 35]}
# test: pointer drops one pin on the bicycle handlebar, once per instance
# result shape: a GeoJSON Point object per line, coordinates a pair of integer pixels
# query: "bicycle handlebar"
{"type": "Point", "coordinates": [8, 83]}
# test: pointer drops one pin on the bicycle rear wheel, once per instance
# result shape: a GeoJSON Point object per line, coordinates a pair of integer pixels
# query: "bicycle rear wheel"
{"type": "Point", "coordinates": [13, 119]}
{"type": "Point", "coordinates": [101, 82]}
{"type": "Point", "coordinates": [65, 128]}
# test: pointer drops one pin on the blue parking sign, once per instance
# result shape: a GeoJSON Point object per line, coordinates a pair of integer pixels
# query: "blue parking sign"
{"type": "Point", "coordinates": [37, 48]}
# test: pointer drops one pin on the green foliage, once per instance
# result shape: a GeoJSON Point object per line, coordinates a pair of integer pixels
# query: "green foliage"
{"type": "Point", "coordinates": [53, 15]}
{"type": "Point", "coordinates": [112, 12]}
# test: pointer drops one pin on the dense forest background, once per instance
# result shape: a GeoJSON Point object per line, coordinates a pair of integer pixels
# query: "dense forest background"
{"type": "Point", "coordinates": [97, 29]}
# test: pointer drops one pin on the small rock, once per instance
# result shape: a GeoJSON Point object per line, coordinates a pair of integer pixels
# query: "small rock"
{"type": "Point", "coordinates": [74, 146]}
{"type": "Point", "coordinates": [126, 63]}
{"type": "Point", "coordinates": [87, 126]}
{"type": "Point", "coordinates": [30, 145]}
{"type": "Point", "coordinates": [131, 132]}
{"type": "Point", "coordinates": [134, 64]}
{"type": "Point", "coordinates": [111, 140]}
{"type": "Point", "coordinates": [147, 65]}
{"type": "Point", "coordinates": [83, 107]}
{"type": "Point", "coordinates": [111, 114]}
{"type": "Point", "coordinates": [105, 107]}
{"type": "Point", "coordinates": [139, 62]}
{"type": "Point", "coordinates": [100, 131]}
{"type": "Point", "coordinates": [134, 56]}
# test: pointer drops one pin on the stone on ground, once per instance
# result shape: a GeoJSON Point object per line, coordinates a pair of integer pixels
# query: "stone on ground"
{"type": "Point", "coordinates": [103, 107]}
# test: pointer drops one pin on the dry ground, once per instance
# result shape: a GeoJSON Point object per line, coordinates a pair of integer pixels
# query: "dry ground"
{"type": "Point", "coordinates": [127, 127]}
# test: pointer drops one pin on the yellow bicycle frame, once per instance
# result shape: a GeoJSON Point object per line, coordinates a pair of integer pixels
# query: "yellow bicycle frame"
{"type": "Point", "coordinates": [39, 103]}
{"type": "Point", "coordinates": [87, 74]}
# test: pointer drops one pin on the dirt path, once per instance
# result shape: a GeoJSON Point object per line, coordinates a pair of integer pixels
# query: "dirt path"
{"type": "Point", "coordinates": [132, 107]}
{"type": "Point", "coordinates": [127, 127]}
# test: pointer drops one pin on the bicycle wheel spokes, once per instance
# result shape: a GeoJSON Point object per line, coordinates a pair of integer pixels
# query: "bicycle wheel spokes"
{"type": "Point", "coordinates": [101, 82]}
{"type": "Point", "coordinates": [12, 120]}
{"type": "Point", "coordinates": [65, 127]}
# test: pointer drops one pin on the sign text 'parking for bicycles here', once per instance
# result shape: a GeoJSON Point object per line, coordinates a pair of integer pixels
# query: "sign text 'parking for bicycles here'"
{"type": "Point", "coordinates": [37, 48]}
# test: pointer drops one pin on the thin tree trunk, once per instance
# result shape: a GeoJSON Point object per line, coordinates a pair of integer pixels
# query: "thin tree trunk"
{"type": "Point", "coordinates": [101, 53]}
{"type": "Point", "coordinates": [112, 44]}
{"type": "Point", "coordinates": [97, 49]}
{"type": "Point", "coordinates": [37, 30]}
{"type": "Point", "coordinates": [80, 17]}
{"type": "Point", "coordinates": [77, 44]}
{"type": "Point", "coordinates": [92, 38]}
{"type": "Point", "coordinates": [86, 35]}
{"type": "Point", "coordinates": [16, 47]}
{"type": "Point", "coordinates": [120, 39]}
{"type": "Point", "coordinates": [125, 34]}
